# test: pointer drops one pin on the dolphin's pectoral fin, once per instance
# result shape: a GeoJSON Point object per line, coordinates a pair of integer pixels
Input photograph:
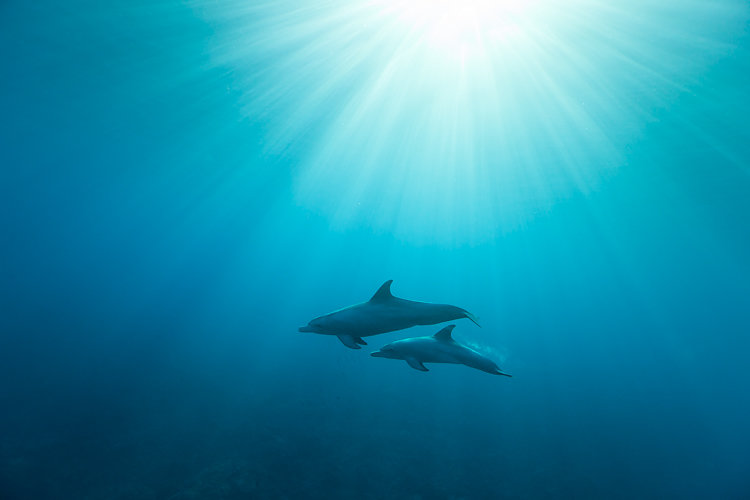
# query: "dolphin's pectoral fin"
{"type": "Point", "coordinates": [416, 364]}
{"type": "Point", "coordinates": [359, 341]}
{"type": "Point", "coordinates": [349, 341]}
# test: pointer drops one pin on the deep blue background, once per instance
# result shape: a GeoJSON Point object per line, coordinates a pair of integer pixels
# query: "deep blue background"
{"type": "Point", "coordinates": [155, 270]}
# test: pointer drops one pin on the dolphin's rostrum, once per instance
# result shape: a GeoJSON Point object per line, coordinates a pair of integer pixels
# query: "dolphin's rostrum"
{"type": "Point", "coordinates": [381, 314]}
{"type": "Point", "coordinates": [440, 348]}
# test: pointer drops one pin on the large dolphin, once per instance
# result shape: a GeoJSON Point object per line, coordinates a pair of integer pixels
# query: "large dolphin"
{"type": "Point", "coordinates": [440, 348]}
{"type": "Point", "coordinates": [382, 313]}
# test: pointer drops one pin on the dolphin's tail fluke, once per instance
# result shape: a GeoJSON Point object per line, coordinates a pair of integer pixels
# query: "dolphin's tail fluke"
{"type": "Point", "coordinates": [472, 318]}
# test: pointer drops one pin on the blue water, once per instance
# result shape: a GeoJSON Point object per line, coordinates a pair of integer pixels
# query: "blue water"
{"type": "Point", "coordinates": [184, 184]}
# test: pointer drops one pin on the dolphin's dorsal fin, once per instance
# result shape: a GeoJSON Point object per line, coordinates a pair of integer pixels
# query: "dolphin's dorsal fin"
{"type": "Point", "coordinates": [383, 293]}
{"type": "Point", "coordinates": [445, 333]}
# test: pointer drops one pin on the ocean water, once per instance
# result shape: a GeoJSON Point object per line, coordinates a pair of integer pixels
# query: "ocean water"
{"type": "Point", "coordinates": [183, 184]}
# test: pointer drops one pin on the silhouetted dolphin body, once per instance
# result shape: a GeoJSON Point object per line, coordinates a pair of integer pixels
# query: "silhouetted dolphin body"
{"type": "Point", "coordinates": [382, 313]}
{"type": "Point", "coordinates": [440, 348]}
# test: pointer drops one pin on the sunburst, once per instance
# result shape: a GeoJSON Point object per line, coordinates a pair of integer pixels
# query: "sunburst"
{"type": "Point", "coordinates": [455, 121]}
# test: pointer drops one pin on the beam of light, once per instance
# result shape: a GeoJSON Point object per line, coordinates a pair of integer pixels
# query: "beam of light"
{"type": "Point", "coordinates": [459, 29]}
{"type": "Point", "coordinates": [455, 121]}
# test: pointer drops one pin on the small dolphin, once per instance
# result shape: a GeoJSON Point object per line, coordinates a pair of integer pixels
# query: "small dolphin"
{"type": "Point", "coordinates": [440, 348]}
{"type": "Point", "coordinates": [381, 314]}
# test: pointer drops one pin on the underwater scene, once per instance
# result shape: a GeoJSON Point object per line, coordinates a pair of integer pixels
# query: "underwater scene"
{"type": "Point", "coordinates": [374, 249]}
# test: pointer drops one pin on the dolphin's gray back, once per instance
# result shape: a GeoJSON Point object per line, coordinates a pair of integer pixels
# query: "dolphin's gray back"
{"type": "Point", "coordinates": [476, 360]}
{"type": "Point", "coordinates": [372, 318]}
{"type": "Point", "coordinates": [386, 313]}
{"type": "Point", "coordinates": [426, 313]}
{"type": "Point", "coordinates": [431, 350]}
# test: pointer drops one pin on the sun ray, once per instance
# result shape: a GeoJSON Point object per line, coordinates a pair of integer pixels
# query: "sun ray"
{"type": "Point", "coordinates": [447, 120]}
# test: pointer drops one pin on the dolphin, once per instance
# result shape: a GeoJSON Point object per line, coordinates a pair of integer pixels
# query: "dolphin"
{"type": "Point", "coordinates": [381, 314]}
{"type": "Point", "coordinates": [440, 348]}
